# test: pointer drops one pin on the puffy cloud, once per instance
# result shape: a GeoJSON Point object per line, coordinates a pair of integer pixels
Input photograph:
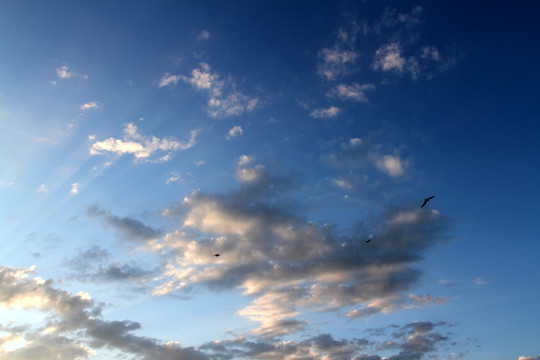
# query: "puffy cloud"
{"type": "Point", "coordinates": [234, 132]}
{"type": "Point", "coordinates": [73, 328]}
{"type": "Point", "coordinates": [331, 112]}
{"type": "Point", "coordinates": [390, 165]}
{"type": "Point", "coordinates": [142, 147]}
{"type": "Point", "coordinates": [388, 58]}
{"type": "Point", "coordinates": [289, 264]}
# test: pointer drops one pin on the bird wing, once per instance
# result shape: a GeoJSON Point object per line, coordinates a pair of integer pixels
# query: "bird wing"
{"type": "Point", "coordinates": [424, 204]}
{"type": "Point", "coordinates": [431, 197]}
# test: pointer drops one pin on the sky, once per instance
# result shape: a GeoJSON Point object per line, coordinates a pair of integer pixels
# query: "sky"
{"type": "Point", "coordinates": [140, 138]}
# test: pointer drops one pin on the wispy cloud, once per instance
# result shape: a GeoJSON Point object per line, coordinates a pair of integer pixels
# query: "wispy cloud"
{"type": "Point", "coordinates": [65, 72]}
{"type": "Point", "coordinates": [354, 92]}
{"type": "Point", "coordinates": [479, 281]}
{"type": "Point", "coordinates": [142, 147]}
{"type": "Point", "coordinates": [131, 229]}
{"type": "Point", "coordinates": [330, 112]}
{"type": "Point", "coordinates": [203, 35]}
{"type": "Point", "coordinates": [223, 97]}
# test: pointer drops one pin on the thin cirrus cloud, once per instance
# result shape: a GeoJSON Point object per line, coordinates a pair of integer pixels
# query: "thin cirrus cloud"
{"type": "Point", "coordinates": [140, 146]}
{"type": "Point", "coordinates": [223, 98]}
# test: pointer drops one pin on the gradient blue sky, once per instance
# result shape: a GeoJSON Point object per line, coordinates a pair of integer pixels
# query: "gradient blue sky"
{"type": "Point", "coordinates": [139, 138]}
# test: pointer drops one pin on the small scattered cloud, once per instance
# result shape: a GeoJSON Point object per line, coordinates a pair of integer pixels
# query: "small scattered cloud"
{"type": "Point", "coordinates": [330, 112]}
{"type": "Point", "coordinates": [74, 189]}
{"type": "Point", "coordinates": [353, 92]}
{"type": "Point", "coordinates": [479, 281]}
{"type": "Point", "coordinates": [204, 35]}
{"type": "Point", "coordinates": [42, 189]}
{"type": "Point", "coordinates": [65, 72]}
{"type": "Point", "coordinates": [174, 177]}
{"type": "Point", "coordinates": [90, 105]}
{"type": "Point", "coordinates": [223, 97]}
{"type": "Point", "coordinates": [234, 132]}
{"type": "Point", "coordinates": [142, 147]}
{"type": "Point", "coordinates": [391, 165]}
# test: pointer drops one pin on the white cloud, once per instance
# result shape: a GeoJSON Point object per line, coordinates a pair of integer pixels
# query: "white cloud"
{"type": "Point", "coordinates": [65, 72]}
{"type": "Point", "coordinates": [234, 132]}
{"type": "Point", "coordinates": [168, 79]}
{"type": "Point", "coordinates": [390, 165]}
{"type": "Point", "coordinates": [174, 177]}
{"type": "Point", "coordinates": [223, 98]}
{"type": "Point", "coordinates": [355, 92]}
{"type": "Point", "coordinates": [74, 189]}
{"type": "Point", "coordinates": [388, 58]}
{"type": "Point", "coordinates": [142, 147]}
{"type": "Point", "coordinates": [42, 189]}
{"type": "Point", "coordinates": [90, 105]}
{"type": "Point", "coordinates": [204, 35]}
{"type": "Point", "coordinates": [246, 173]}
{"type": "Point", "coordinates": [331, 112]}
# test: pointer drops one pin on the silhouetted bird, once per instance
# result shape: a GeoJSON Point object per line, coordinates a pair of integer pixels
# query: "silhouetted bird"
{"type": "Point", "coordinates": [216, 255]}
{"type": "Point", "coordinates": [368, 241]}
{"type": "Point", "coordinates": [426, 201]}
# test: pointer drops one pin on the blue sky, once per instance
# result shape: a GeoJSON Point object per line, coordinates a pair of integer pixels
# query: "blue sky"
{"type": "Point", "coordinates": [138, 139]}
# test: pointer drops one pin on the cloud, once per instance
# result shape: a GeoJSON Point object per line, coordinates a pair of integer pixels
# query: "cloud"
{"type": "Point", "coordinates": [335, 61]}
{"type": "Point", "coordinates": [174, 177]}
{"type": "Point", "coordinates": [390, 165]}
{"type": "Point", "coordinates": [65, 72]}
{"type": "Point", "coordinates": [74, 189]}
{"type": "Point", "coordinates": [289, 264]}
{"type": "Point", "coordinates": [168, 79]}
{"type": "Point", "coordinates": [42, 189]}
{"type": "Point", "coordinates": [223, 97]}
{"type": "Point", "coordinates": [479, 281]}
{"type": "Point", "coordinates": [388, 58]}
{"type": "Point", "coordinates": [132, 229]}
{"type": "Point", "coordinates": [363, 154]}
{"type": "Point", "coordinates": [354, 92]}
{"type": "Point", "coordinates": [142, 147]}
{"type": "Point", "coordinates": [331, 112]}
{"type": "Point", "coordinates": [73, 327]}
{"type": "Point", "coordinates": [234, 132]}
{"type": "Point", "coordinates": [90, 105]}
{"type": "Point", "coordinates": [204, 35]}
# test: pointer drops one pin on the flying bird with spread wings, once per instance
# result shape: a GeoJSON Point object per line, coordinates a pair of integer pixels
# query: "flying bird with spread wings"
{"type": "Point", "coordinates": [426, 201]}
{"type": "Point", "coordinates": [217, 255]}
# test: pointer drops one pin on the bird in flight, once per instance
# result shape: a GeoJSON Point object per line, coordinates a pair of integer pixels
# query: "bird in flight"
{"type": "Point", "coordinates": [216, 255]}
{"type": "Point", "coordinates": [368, 241]}
{"type": "Point", "coordinates": [426, 201]}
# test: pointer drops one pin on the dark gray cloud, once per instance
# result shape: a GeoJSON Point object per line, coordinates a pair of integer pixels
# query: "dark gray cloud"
{"type": "Point", "coordinates": [132, 229]}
